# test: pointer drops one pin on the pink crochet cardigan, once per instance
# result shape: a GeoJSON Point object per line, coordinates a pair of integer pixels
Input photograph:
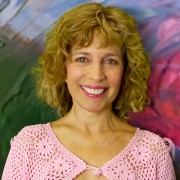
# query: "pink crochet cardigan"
{"type": "Point", "coordinates": [37, 154]}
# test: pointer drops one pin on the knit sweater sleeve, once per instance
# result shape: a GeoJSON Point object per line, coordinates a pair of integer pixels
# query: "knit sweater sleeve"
{"type": "Point", "coordinates": [165, 169]}
{"type": "Point", "coordinates": [15, 167]}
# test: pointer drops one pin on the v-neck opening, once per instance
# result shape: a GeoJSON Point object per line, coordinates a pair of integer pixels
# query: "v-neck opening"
{"type": "Point", "coordinates": [61, 145]}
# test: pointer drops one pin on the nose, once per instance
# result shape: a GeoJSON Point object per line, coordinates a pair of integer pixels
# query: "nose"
{"type": "Point", "coordinates": [97, 73]}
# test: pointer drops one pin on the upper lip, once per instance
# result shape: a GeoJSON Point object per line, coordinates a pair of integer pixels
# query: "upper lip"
{"type": "Point", "coordinates": [95, 87]}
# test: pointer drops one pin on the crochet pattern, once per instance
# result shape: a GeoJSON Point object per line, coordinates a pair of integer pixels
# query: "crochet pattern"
{"type": "Point", "coordinates": [37, 154]}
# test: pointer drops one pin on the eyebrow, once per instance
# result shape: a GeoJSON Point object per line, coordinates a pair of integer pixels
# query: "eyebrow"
{"type": "Point", "coordinates": [86, 53]}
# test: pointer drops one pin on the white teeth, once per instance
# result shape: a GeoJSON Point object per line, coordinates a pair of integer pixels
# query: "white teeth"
{"type": "Point", "coordinates": [92, 91]}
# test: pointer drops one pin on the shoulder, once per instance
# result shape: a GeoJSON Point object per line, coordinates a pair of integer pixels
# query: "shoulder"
{"type": "Point", "coordinates": [157, 143]}
{"type": "Point", "coordinates": [30, 132]}
{"type": "Point", "coordinates": [34, 129]}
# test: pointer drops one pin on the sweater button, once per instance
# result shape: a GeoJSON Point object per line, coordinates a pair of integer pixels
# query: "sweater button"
{"type": "Point", "coordinates": [97, 172]}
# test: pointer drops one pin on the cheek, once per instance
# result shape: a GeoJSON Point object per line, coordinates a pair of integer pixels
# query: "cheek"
{"type": "Point", "coordinates": [73, 74]}
{"type": "Point", "coordinates": [116, 77]}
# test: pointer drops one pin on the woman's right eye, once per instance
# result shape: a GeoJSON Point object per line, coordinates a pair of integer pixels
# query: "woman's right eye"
{"type": "Point", "coordinates": [81, 59]}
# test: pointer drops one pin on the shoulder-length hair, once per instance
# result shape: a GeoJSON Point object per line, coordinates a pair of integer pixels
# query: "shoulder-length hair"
{"type": "Point", "coordinates": [76, 27]}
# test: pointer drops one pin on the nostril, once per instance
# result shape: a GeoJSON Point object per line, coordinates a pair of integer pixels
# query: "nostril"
{"type": "Point", "coordinates": [97, 74]}
{"type": "Point", "coordinates": [97, 78]}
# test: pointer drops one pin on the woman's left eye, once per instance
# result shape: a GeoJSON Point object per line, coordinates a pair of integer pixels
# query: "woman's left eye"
{"type": "Point", "coordinates": [111, 61]}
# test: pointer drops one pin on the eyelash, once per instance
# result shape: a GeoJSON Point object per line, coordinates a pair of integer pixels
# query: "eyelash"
{"type": "Point", "coordinates": [108, 61]}
{"type": "Point", "coordinates": [111, 61]}
{"type": "Point", "coordinates": [80, 59]}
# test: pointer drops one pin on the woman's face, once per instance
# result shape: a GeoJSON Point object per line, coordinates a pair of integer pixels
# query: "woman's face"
{"type": "Point", "coordinates": [94, 75]}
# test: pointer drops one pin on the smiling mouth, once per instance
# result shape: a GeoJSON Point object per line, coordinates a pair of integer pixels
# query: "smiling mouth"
{"type": "Point", "coordinates": [93, 91]}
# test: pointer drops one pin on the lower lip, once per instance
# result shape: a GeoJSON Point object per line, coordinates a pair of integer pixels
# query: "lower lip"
{"type": "Point", "coordinates": [94, 95]}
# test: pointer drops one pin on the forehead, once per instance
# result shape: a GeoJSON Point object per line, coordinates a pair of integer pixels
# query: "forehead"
{"type": "Point", "coordinates": [99, 43]}
{"type": "Point", "coordinates": [102, 38]}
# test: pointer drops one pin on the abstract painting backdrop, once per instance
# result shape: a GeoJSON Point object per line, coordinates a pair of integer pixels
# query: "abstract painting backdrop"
{"type": "Point", "coordinates": [23, 24]}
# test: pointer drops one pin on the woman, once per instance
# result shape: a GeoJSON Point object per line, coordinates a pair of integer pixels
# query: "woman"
{"type": "Point", "coordinates": [94, 71]}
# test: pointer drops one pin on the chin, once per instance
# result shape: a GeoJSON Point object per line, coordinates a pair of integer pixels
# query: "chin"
{"type": "Point", "coordinates": [95, 109]}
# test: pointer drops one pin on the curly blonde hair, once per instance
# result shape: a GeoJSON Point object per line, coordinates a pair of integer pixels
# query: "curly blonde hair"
{"type": "Point", "coordinates": [76, 27]}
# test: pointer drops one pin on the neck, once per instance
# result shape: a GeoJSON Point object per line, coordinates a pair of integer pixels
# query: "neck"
{"type": "Point", "coordinates": [92, 122]}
